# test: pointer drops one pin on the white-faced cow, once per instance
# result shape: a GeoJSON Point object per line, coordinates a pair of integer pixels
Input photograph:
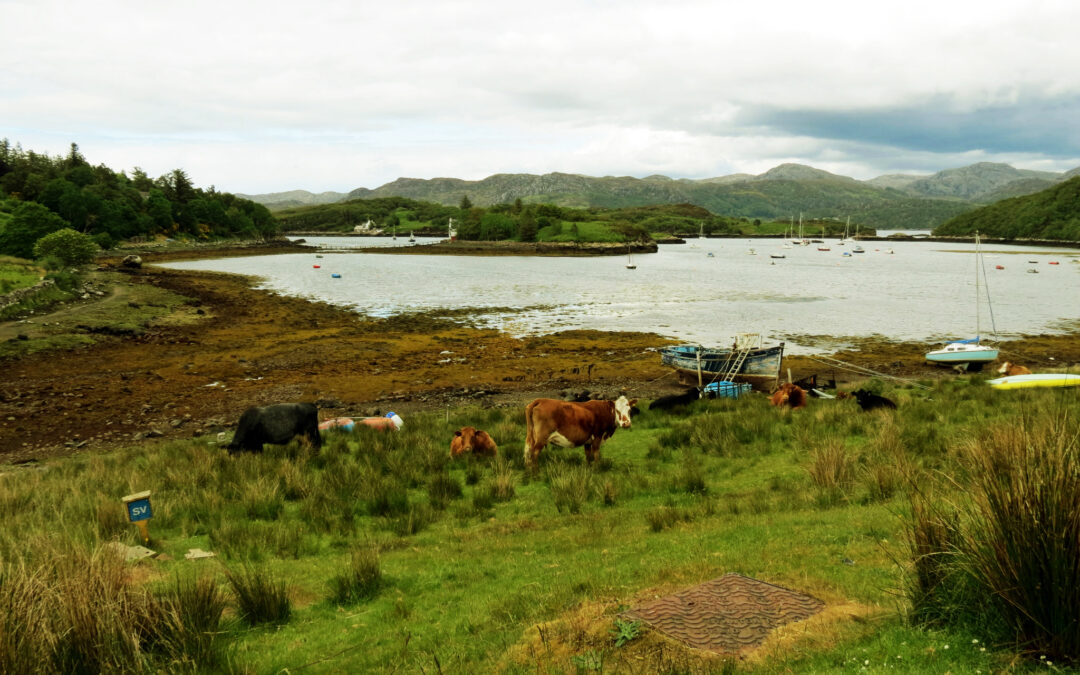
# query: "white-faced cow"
{"type": "Point", "coordinates": [277, 424]}
{"type": "Point", "coordinates": [569, 424]}
{"type": "Point", "coordinates": [1009, 369]}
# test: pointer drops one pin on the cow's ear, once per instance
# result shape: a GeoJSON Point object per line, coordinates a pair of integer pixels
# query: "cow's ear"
{"type": "Point", "coordinates": [633, 402]}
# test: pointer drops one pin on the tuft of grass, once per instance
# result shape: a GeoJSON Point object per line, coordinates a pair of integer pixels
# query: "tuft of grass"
{"type": "Point", "coordinates": [1009, 557]}
{"type": "Point", "coordinates": [193, 610]}
{"type": "Point", "coordinates": [502, 485]}
{"type": "Point", "coordinates": [260, 598]}
{"type": "Point", "coordinates": [362, 578]}
{"type": "Point", "coordinates": [832, 470]}
{"type": "Point", "coordinates": [442, 489]}
{"type": "Point", "coordinates": [569, 486]}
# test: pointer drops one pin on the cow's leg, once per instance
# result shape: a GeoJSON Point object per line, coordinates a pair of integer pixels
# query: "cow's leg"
{"type": "Point", "coordinates": [592, 450]}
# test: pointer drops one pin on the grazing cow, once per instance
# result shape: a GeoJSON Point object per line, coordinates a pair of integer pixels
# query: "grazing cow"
{"type": "Point", "coordinates": [476, 441]}
{"type": "Point", "coordinates": [790, 395]}
{"type": "Point", "coordinates": [276, 424]}
{"type": "Point", "coordinates": [1009, 369]}
{"type": "Point", "coordinates": [569, 425]}
{"type": "Point", "coordinates": [668, 402]}
{"type": "Point", "coordinates": [871, 401]}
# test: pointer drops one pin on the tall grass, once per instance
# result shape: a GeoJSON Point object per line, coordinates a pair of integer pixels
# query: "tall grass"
{"type": "Point", "coordinates": [260, 597]}
{"type": "Point", "coordinates": [1007, 555]}
{"type": "Point", "coordinates": [361, 579]}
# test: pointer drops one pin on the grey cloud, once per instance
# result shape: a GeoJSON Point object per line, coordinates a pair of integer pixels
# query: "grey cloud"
{"type": "Point", "coordinates": [1044, 126]}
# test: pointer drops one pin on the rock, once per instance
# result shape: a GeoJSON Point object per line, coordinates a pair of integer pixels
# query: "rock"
{"type": "Point", "coordinates": [132, 262]}
{"type": "Point", "coordinates": [154, 433]}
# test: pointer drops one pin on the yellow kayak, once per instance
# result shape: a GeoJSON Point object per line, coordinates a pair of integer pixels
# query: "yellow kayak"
{"type": "Point", "coordinates": [1035, 380]}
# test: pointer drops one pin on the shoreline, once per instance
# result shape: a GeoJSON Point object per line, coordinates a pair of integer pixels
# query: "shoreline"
{"type": "Point", "coordinates": [225, 346]}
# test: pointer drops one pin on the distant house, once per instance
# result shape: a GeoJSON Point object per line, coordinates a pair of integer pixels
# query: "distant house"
{"type": "Point", "coordinates": [367, 227]}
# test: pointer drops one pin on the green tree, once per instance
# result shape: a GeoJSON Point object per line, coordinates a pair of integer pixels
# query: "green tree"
{"type": "Point", "coordinates": [70, 247]}
{"type": "Point", "coordinates": [527, 227]}
{"type": "Point", "coordinates": [466, 203]}
{"type": "Point", "coordinates": [159, 209]}
{"type": "Point", "coordinates": [29, 222]}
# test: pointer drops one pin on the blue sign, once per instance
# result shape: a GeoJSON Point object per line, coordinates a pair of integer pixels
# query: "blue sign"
{"type": "Point", "coordinates": [139, 510]}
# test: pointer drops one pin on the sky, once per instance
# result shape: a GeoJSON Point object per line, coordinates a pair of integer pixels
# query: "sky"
{"type": "Point", "coordinates": [257, 97]}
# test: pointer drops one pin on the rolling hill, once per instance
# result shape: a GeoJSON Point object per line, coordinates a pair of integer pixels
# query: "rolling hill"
{"type": "Point", "coordinates": [1053, 213]}
{"type": "Point", "coordinates": [895, 201]}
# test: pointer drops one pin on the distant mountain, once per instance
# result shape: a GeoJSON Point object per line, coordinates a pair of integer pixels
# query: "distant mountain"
{"type": "Point", "coordinates": [976, 182]}
{"type": "Point", "coordinates": [893, 201]}
{"type": "Point", "coordinates": [282, 200]}
{"type": "Point", "coordinates": [1053, 213]}
{"type": "Point", "coordinates": [780, 193]}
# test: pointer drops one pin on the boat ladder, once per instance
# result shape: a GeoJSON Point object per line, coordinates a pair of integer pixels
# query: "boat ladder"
{"type": "Point", "coordinates": [744, 344]}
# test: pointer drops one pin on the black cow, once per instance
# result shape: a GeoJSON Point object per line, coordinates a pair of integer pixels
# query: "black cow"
{"type": "Point", "coordinates": [277, 424]}
{"type": "Point", "coordinates": [871, 401]}
{"type": "Point", "coordinates": [670, 401]}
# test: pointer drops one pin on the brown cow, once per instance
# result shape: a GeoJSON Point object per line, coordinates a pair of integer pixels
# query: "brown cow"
{"type": "Point", "coordinates": [476, 441]}
{"type": "Point", "coordinates": [569, 425]}
{"type": "Point", "coordinates": [789, 394]}
{"type": "Point", "coordinates": [1009, 369]}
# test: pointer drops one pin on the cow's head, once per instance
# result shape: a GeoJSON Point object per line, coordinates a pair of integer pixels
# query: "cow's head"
{"type": "Point", "coordinates": [462, 441]}
{"type": "Point", "coordinates": [622, 411]}
{"type": "Point", "coordinates": [1004, 368]}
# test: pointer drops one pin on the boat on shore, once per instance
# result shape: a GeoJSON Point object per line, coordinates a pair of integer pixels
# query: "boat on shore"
{"type": "Point", "coordinates": [745, 361]}
{"type": "Point", "coordinates": [969, 353]}
{"type": "Point", "coordinates": [1035, 380]}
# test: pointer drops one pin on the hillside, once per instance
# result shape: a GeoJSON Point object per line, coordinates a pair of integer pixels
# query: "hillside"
{"type": "Point", "coordinates": [283, 200]}
{"type": "Point", "coordinates": [979, 181]}
{"type": "Point", "coordinates": [1051, 214]}
{"type": "Point", "coordinates": [781, 193]}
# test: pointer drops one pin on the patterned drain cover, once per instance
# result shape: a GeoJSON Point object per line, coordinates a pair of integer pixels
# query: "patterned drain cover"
{"type": "Point", "coordinates": [726, 615]}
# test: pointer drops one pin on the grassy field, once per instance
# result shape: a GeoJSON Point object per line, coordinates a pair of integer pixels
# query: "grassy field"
{"type": "Point", "coordinates": [17, 273]}
{"type": "Point", "coordinates": [379, 553]}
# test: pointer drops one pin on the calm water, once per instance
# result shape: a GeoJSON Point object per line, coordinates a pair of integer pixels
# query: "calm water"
{"type": "Point", "coordinates": [923, 291]}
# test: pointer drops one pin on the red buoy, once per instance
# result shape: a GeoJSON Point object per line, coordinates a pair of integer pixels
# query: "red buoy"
{"type": "Point", "coordinates": [315, 266]}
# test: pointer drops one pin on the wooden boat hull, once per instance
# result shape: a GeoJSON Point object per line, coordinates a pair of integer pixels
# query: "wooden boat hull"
{"type": "Point", "coordinates": [761, 370]}
{"type": "Point", "coordinates": [1035, 380]}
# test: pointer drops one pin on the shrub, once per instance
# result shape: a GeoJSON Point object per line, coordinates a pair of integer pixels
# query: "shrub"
{"type": "Point", "coordinates": [71, 247]}
{"type": "Point", "coordinates": [259, 597]}
{"type": "Point", "coordinates": [362, 578]}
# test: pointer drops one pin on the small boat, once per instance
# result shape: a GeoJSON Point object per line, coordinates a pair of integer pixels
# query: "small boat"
{"type": "Point", "coordinates": [1052, 262]}
{"type": "Point", "coordinates": [999, 267]}
{"type": "Point", "coordinates": [1034, 262]}
{"type": "Point", "coordinates": [823, 248]}
{"type": "Point", "coordinates": [967, 352]}
{"type": "Point", "coordinates": [630, 259]}
{"type": "Point", "coordinates": [318, 256]}
{"type": "Point", "coordinates": [1035, 380]}
{"type": "Point", "coordinates": [745, 361]}
{"type": "Point", "coordinates": [858, 249]}
{"type": "Point", "coordinates": [1032, 270]}
{"type": "Point", "coordinates": [411, 237]}
{"type": "Point", "coordinates": [335, 275]}
{"type": "Point", "coordinates": [890, 251]}
{"type": "Point", "coordinates": [316, 266]}
{"type": "Point", "coordinates": [778, 256]}
{"type": "Point", "coordinates": [847, 254]}
{"type": "Point", "coordinates": [751, 252]}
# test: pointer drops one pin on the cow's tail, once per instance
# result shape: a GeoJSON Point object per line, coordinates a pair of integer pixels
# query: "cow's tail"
{"type": "Point", "coordinates": [529, 433]}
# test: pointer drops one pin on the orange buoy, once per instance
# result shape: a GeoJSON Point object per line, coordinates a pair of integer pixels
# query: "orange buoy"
{"type": "Point", "coordinates": [315, 266]}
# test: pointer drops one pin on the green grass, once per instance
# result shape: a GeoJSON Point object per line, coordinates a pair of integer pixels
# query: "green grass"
{"type": "Point", "coordinates": [392, 556]}
{"type": "Point", "coordinates": [16, 273]}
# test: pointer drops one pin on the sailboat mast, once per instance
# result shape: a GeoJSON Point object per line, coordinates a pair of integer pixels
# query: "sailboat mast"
{"type": "Point", "coordinates": [978, 324]}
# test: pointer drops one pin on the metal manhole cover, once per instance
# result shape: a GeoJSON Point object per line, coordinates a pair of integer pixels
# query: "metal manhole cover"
{"type": "Point", "coordinates": [728, 614]}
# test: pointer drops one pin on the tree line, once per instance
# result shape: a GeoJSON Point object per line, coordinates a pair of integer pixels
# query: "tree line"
{"type": "Point", "coordinates": [41, 194]}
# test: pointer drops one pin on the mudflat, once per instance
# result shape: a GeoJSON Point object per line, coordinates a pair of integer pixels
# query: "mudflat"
{"type": "Point", "coordinates": [157, 353]}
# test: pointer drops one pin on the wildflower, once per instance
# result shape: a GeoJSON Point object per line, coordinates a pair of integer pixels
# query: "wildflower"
{"type": "Point", "coordinates": [974, 642]}
{"type": "Point", "coordinates": [982, 649]}
{"type": "Point", "coordinates": [1043, 657]}
{"type": "Point", "coordinates": [946, 647]}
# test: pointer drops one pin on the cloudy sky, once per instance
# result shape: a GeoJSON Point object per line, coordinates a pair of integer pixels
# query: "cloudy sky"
{"type": "Point", "coordinates": [323, 95]}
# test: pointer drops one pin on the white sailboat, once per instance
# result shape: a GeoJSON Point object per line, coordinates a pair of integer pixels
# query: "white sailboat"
{"type": "Point", "coordinates": [847, 228]}
{"type": "Point", "coordinates": [630, 259]}
{"type": "Point", "coordinates": [970, 351]}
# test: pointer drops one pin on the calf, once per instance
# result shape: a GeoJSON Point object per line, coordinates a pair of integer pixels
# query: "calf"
{"type": "Point", "coordinates": [277, 424]}
{"type": "Point", "coordinates": [672, 400]}
{"type": "Point", "coordinates": [570, 424]}
{"type": "Point", "coordinates": [476, 441]}
{"type": "Point", "coordinates": [1009, 369]}
{"type": "Point", "coordinates": [790, 395]}
{"type": "Point", "coordinates": [870, 401]}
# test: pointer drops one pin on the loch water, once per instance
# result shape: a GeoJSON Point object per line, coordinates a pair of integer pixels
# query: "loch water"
{"type": "Point", "coordinates": [704, 291]}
